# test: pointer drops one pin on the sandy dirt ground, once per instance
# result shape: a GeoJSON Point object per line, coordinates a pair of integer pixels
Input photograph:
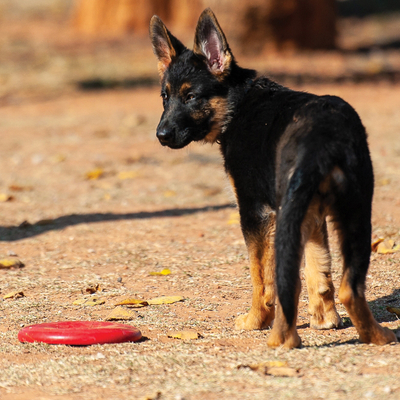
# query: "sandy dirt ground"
{"type": "Point", "coordinates": [150, 209]}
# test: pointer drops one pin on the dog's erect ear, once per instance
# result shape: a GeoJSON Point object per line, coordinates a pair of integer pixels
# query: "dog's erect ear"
{"type": "Point", "coordinates": [165, 46]}
{"type": "Point", "coordinates": [211, 43]}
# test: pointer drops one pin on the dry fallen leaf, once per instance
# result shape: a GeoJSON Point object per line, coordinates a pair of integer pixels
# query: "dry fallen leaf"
{"type": "Point", "coordinates": [387, 247]}
{"type": "Point", "coordinates": [128, 175]}
{"type": "Point", "coordinates": [282, 371]}
{"type": "Point", "coordinates": [95, 174]}
{"type": "Point", "coordinates": [374, 244]}
{"type": "Point", "coordinates": [90, 302]}
{"type": "Point", "coordinates": [169, 193]}
{"type": "Point", "coordinates": [274, 368]}
{"type": "Point", "coordinates": [165, 300]}
{"type": "Point", "coordinates": [19, 188]}
{"type": "Point", "coordinates": [58, 158]}
{"type": "Point", "coordinates": [120, 313]}
{"type": "Point", "coordinates": [5, 197]}
{"type": "Point", "coordinates": [134, 303]}
{"type": "Point", "coordinates": [394, 310]}
{"type": "Point", "coordinates": [7, 263]}
{"type": "Point", "coordinates": [93, 288]}
{"type": "Point", "coordinates": [184, 335]}
{"type": "Point", "coordinates": [165, 271]}
{"type": "Point", "coordinates": [14, 295]}
{"type": "Point", "coordinates": [156, 396]}
{"type": "Point", "coordinates": [234, 219]}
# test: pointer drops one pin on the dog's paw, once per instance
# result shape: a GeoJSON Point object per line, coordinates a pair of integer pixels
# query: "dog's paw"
{"type": "Point", "coordinates": [380, 336]}
{"type": "Point", "coordinates": [250, 322]}
{"type": "Point", "coordinates": [327, 321]}
{"type": "Point", "coordinates": [288, 341]}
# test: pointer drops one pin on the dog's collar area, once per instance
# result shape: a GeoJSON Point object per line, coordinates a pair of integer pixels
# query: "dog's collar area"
{"type": "Point", "coordinates": [249, 84]}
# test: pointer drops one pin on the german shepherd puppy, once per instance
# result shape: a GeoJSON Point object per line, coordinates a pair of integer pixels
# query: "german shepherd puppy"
{"type": "Point", "coordinates": [293, 159]}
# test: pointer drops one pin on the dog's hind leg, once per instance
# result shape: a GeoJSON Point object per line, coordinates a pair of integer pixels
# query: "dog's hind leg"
{"type": "Point", "coordinates": [322, 310]}
{"type": "Point", "coordinates": [355, 234]}
{"type": "Point", "coordinates": [291, 236]}
{"type": "Point", "coordinates": [260, 244]}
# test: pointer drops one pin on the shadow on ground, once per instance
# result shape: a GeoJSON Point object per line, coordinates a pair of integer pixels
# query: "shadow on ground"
{"type": "Point", "coordinates": [26, 230]}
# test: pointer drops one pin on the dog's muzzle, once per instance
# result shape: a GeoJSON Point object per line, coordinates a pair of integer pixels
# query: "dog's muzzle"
{"type": "Point", "coordinates": [166, 136]}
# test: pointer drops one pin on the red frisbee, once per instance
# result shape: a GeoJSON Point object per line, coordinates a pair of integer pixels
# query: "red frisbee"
{"type": "Point", "coordinates": [79, 333]}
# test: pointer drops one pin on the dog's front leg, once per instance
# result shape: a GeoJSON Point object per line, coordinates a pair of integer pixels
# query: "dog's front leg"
{"type": "Point", "coordinates": [259, 238]}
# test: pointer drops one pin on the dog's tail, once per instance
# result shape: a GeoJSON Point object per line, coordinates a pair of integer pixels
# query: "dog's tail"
{"type": "Point", "coordinates": [294, 205]}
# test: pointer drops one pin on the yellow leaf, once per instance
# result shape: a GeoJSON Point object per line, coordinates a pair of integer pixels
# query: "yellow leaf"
{"type": "Point", "coordinates": [169, 193]}
{"type": "Point", "coordinates": [165, 271]}
{"type": "Point", "coordinates": [95, 174]}
{"type": "Point", "coordinates": [384, 182]}
{"type": "Point", "coordinates": [387, 247]}
{"type": "Point", "coordinates": [6, 263]}
{"type": "Point", "coordinates": [89, 302]}
{"type": "Point", "coordinates": [234, 219]}
{"type": "Point", "coordinates": [282, 371]}
{"type": "Point", "coordinates": [133, 303]}
{"type": "Point", "coordinates": [184, 335]}
{"type": "Point", "coordinates": [165, 300]}
{"type": "Point", "coordinates": [14, 295]}
{"type": "Point", "coordinates": [58, 158]}
{"type": "Point", "coordinates": [128, 175]}
{"type": "Point", "coordinates": [120, 313]}
{"type": "Point", "coordinates": [374, 245]}
{"type": "Point", "coordinates": [394, 310]}
{"type": "Point", "coordinates": [5, 197]}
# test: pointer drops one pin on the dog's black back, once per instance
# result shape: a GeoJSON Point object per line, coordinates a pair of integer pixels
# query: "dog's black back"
{"type": "Point", "coordinates": [292, 157]}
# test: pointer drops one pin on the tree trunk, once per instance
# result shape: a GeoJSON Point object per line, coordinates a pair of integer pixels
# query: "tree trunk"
{"type": "Point", "coordinates": [249, 25]}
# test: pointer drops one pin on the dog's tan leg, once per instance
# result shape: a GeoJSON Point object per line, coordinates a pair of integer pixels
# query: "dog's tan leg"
{"type": "Point", "coordinates": [262, 271]}
{"type": "Point", "coordinates": [281, 333]}
{"type": "Point", "coordinates": [319, 281]}
{"type": "Point", "coordinates": [356, 305]}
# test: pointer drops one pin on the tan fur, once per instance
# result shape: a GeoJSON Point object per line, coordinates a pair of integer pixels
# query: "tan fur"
{"type": "Point", "coordinates": [166, 56]}
{"type": "Point", "coordinates": [281, 335]}
{"type": "Point", "coordinates": [262, 271]}
{"type": "Point", "coordinates": [184, 89]}
{"type": "Point", "coordinates": [319, 281]}
{"type": "Point", "coordinates": [368, 329]}
{"type": "Point", "coordinates": [219, 105]}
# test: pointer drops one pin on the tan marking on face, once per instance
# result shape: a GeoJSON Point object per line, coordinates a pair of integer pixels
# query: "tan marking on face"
{"type": "Point", "coordinates": [219, 105]}
{"type": "Point", "coordinates": [168, 88]}
{"type": "Point", "coordinates": [185, 89]}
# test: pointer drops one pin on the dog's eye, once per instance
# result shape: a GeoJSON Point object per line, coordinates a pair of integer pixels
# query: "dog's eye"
{"type": "Point", "coordinates": [164, 96]}
{"type": "Point", "coordinates": [190, 96]}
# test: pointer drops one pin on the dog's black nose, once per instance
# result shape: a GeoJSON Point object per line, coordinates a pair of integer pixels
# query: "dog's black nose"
{"type": "Point", "coordinates": [165, 136]}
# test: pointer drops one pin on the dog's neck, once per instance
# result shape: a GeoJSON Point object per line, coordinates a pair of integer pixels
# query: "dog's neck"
{"type": "Point", "coordinates": [240, 81]}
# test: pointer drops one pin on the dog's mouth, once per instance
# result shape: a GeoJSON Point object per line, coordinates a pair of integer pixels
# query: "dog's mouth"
{"type": "Point", "coordinates": [175, 140]}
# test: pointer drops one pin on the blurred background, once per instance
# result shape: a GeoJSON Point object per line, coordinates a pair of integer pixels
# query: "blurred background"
{"type": "Point", "coordinates": [49, 47]}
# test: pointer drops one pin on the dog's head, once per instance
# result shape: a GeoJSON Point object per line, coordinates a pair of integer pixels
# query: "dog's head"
{"type": "Point", "coordinates": [194, 84]}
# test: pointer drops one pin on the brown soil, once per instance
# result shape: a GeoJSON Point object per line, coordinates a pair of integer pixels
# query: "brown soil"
{"type": "Point", "coordinates": [172, 209]}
